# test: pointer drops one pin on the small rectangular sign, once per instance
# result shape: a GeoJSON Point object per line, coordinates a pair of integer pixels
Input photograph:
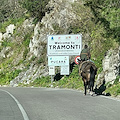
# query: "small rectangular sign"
{"type": "Point", "coordinates": [51, 70]}
{"type": "Point", "coordinates": [58, 60]}
{"type": "Point", "coordinates": [65, 70]}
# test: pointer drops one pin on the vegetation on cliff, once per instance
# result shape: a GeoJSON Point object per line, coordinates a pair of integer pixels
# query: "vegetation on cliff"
{"type": "Point", "coordinates": [97, 20]}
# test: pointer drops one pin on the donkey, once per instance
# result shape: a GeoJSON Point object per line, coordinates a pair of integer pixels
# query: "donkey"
{"type": "Point", "coordinates": [87, 70]}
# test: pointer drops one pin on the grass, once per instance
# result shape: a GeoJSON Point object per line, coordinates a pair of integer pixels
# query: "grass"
{"type": "Point", "coordinates": [114, 89]}
{"type": "Point", "coordinates": [17, 22]}
{"type": "Point", "coordinates": [73, 81]}
{"type": "Point", "coordinates": [7, 76]}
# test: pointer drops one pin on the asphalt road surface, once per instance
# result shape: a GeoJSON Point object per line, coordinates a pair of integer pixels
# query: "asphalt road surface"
{"type": "Point", "coordinates": [55, 104]}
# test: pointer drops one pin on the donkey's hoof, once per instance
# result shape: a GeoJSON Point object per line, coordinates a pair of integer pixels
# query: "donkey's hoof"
{"type": "Point", "coordinates": [91, 93]}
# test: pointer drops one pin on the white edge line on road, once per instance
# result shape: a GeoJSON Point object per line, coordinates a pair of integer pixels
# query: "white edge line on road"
{"type": "Point", "coordinates": [25, 116]}
{"type": "Point", "coordinates": [112, 98]}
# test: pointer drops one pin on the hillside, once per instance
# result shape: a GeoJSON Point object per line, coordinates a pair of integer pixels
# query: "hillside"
{"type": "Point", "coordinates": [23, 39]}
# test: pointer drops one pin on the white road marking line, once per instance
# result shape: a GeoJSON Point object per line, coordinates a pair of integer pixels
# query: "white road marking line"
{"type": "Point", "coordinates": [25, 116]}
{"type": "Point", "coordinates": [116, 99]}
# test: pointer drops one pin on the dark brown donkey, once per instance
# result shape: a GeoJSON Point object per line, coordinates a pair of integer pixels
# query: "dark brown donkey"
{"type": "Point", "coordinates": [88, 71]}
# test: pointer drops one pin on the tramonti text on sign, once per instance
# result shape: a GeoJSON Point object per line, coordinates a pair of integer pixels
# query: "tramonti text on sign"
{"type": "Point", "coordinates": [64, 45]}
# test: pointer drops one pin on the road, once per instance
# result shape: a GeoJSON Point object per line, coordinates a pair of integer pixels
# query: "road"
{"type": "Point", "coordinates": [55, 104]}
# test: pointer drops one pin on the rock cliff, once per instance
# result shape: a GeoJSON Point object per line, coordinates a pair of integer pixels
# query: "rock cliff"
{"type": "Point", "coordinates": [111, 67]}
{"type": "Point", "coordinates": [57, 20]}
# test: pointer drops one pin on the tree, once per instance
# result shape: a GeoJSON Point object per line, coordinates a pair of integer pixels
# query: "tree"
{"type": "Point", "coordinates": [106, 12]}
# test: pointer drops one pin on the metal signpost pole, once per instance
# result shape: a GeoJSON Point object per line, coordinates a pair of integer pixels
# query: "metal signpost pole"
{"type": "Point", "coordinates": [52, 73]}
{"type": "Point", "coordinates": [51, 80]}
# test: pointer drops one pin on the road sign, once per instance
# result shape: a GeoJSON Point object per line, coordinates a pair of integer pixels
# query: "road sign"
{"type": "Point", "coordinates": [58, 60]}
{"type": "Point", "coordinates": [65, 70]}
{"type": "Point", "coordinates": [64, 45]}
{"type": "Point", "coordinates": [77, 59]}
{"type": "Point", "coordinates": [51, 70]}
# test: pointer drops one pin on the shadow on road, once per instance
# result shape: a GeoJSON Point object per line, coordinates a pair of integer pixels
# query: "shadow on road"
{"type": "Point", "coordinates": [101, 89]}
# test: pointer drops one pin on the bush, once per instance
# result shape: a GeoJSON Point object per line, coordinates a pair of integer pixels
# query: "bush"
{"type": "Point", "coordinates": [36, 8]}
{"type": "Point", "coordinates": [15, 21]}
{"type": "Point", "coordinates": [117, 80]}
{"type": "Point", "coordinates": [26, 41]}
{"type": "Point", "coordinates": [7, 76]}
{"type": "Point", "coordinates": [25, 53]}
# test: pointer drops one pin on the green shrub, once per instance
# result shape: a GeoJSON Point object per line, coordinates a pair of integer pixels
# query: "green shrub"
{"type": "Point", "coordinates": [7, 76]}
{"type": "Point", "coordinates": [41, 60]}
{"type": "Point", "coordinates": [36, 8]}
{"type": "Point", "coordinates": [117, 80]}
{"type": "Point", "coordinates": [6, 43]}
{"type": "Point", "coordinates": [26, 40]}
{"type": "Point", "coordinates": [25, 53]}
{"type": "Point", "coordinates": [17, 22]}
{"type": "Point", "coordinates": [33, 58]}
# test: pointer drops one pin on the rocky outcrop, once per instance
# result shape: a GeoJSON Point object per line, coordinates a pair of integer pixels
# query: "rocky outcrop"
{"type": "Point", "coordinates": [111, 68]}
{"type": "Point", "coordinates": [6, 35]}
{"type": "Point", "coordinates": [56, 19]}
{"type": "Point", "coordinates": [9, 31]}
{"type": "Point", "coordinates": [31, 74]}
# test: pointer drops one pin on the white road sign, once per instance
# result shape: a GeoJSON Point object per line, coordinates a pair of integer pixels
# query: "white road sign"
{"type": "Point", "coordinates": [51, 70]}
{"type": "Point", "coordinates": [65, 70]}
{"type": "Point", "coordinates": [64, 45]}
{"type": "Point", "coordinates": [58, 60]}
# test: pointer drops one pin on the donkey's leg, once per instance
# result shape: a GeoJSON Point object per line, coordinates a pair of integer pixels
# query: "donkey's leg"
{"type": "Point", "coordinates": [91, 87]}
{"type": "Point", "coordinates": [88, 80]}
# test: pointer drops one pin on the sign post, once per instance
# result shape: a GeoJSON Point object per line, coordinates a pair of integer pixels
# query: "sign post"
{"type": "Point", "coordinates": [52, 80]}
{"type": "Point", "coordinates": [59, 48]}
{"type": "Point", "coordinates": [51, 72]}
{"type": "Point", "coordinates": [64, 45]}
{"type": "Point", "coordinates": [77, 58]}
